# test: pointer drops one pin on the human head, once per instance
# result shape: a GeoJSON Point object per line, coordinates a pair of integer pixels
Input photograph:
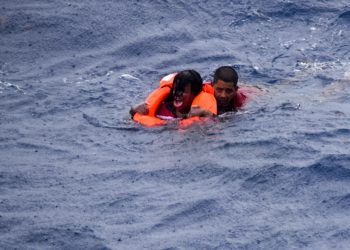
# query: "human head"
{"type": "Point", "coordinates": [225, 86]}
{"type": "Point", "coordinates": [187, 84]}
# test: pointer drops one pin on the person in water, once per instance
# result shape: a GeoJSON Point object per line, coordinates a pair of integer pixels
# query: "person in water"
{"type": "Point", "coordinates": [186, 86]}
{"type": "Point", "coordinates": [229, 97]}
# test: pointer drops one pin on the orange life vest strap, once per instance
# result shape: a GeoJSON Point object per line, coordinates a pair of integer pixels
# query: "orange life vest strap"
{"type": "Point", "coordinates": [167, 80]}
{"type": "Point", "coordinates": [156, 98]}
{"type": "Point", "coordinates": [206, 101]}
{"type": "Point", "coordinates": [207, 87]}
{"type": "Point", "coordinates": [148, 121]}
{"type": "Point", "coordinates": [188, 121]}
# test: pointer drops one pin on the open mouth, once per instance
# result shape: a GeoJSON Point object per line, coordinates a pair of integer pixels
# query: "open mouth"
{"type": "Point", "coordinates": [177, 102]}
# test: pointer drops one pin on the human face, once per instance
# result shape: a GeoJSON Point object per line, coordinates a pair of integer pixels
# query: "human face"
{"type": "Point", "coordinates": [183, 99]}
{"type": "Point", "coordinates": [224, 93]}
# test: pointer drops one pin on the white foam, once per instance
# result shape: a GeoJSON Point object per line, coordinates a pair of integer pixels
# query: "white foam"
{"type": "Point", "coordinates": [109, 73]}
{"type": "Point", "coordinates": [129, 77]}
{"type": "Point", "coordinates": [7, 85]}
{"type": "Point", "coordinates": [347, 75]}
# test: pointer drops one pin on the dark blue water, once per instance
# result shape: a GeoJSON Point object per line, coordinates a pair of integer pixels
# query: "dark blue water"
{"type": "Point", "coordinates": [77, 173]}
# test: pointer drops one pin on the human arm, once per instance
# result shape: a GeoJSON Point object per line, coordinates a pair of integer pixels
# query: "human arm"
{"type": "Point", "coordinates": [141, 108]}
{"type": "Point", "coordinates": [200, 112]}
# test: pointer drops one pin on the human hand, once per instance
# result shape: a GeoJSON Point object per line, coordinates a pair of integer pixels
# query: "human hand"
{"type": "Point", "coordinates": [198, 111]}
{"type": "Point", "coordinates": [141, 108]}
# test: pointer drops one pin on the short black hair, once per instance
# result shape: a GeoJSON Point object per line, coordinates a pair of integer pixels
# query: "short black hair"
{"type": "Point", "coordinates": [188, 77]}
{"type": "Point", "coordinates": [226, 74]}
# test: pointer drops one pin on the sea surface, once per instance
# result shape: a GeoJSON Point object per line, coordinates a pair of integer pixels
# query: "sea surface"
{"type": "Point", "coordinates": [77, 173]}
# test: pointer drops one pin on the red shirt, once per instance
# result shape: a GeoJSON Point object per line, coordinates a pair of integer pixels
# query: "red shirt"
{"type": "Point", "coordinates": [166, 111]}
{"type": "Point", "coordinates": [241, 98]}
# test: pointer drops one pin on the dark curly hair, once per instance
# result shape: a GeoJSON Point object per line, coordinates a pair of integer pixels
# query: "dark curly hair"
{"type": "Point", "coordinates": [188, 77]}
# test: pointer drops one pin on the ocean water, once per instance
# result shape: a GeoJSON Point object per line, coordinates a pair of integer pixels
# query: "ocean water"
{"type": "Point", "coordinates": [77, 173]}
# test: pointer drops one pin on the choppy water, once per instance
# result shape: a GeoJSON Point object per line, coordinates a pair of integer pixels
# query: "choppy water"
{"type": "Point", "coordinates": [77, 173]}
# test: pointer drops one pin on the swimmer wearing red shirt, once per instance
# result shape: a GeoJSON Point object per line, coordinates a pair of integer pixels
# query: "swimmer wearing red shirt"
{"type": "Point", "coordinates": [229, 97]}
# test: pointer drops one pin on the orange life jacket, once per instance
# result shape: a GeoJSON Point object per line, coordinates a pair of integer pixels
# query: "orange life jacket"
{"type": "Point", "coordinates": [204, 100]}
